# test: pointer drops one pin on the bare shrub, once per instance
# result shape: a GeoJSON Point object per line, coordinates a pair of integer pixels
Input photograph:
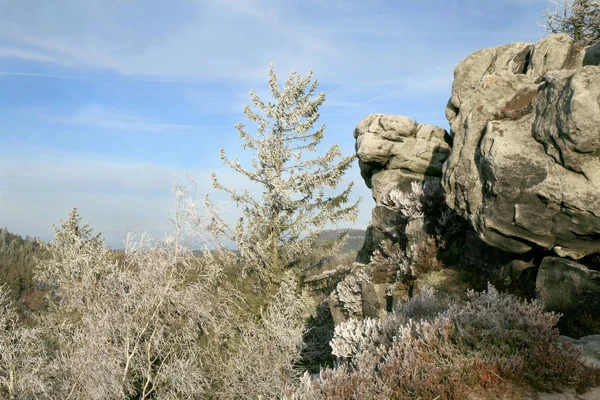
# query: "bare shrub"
{"type": "Point", "coordinates": [23, 368]}
{"type": "Point", "coordinates": [578, 18]}
{"type": "Point", "coordinates": [131, 328]}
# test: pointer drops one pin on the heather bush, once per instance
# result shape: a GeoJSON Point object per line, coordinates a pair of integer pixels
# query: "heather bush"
{"type": "Point", "coordinates": [519, 338]}
{"type": "Point", "coordinates": [348, 290]}
{"type": "Point", "coordinates": [490, 343]}
{"type": "Point", "coordinates": [411, 263]}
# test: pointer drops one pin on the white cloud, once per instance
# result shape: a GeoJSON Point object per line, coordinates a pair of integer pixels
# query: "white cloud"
{"type": "Point", "coordinates": [101, 117]}
{"type": "Point", "coordinates": [32, 56]}
{"type": "Point", "coordinates": [41, 75]}
{"type": "Point", "coordinates": [234, 40]}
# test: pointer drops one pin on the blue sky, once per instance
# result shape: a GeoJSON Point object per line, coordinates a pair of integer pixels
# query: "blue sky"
{"type": "Point", "coordinates": [105, 103]}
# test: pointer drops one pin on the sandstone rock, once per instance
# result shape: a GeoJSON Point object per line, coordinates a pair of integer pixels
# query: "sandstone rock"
{"type": "Point", "coordinates": [397, 143]}
{"type": "Point", "coordinates": [394, 151]}
{"type": "Point", "coordinates": [386, 224]}
{"type": "Point", "coordinates": [337, 311]}
{"type": "Point", "coordinates": [524, 168]}
{"type": "Point", "coordinates": [571, 394]}
{"type": "Point", "coordinates": [568, 286]}
{"type": "Point", "coordinates": [374, 299]}
{"type": "Point", "coordinates": [468, 74]}
{"type": "Point", "coordinates": [592, 55]}
{"type": "Point", "coordinates": [519, 274]}
{"type": "Point", "coordinates": [552, 53]}
{"type": "Point", "coordinates": [590, 346]}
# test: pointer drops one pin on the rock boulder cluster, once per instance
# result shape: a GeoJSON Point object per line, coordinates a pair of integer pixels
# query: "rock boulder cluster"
{"type": "Point", "coordinates": [520, 164]}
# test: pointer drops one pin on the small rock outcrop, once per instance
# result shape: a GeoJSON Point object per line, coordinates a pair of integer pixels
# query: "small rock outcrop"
{"type": "Point", "coordinates": [525, 168]}
{"type": "Point", "coordinates": [394, 151]}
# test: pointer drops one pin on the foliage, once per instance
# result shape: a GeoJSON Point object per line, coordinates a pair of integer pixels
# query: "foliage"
{"type": "Point", "coordinates": [130, 328]}
{"type": "Point", "coordinates": [23, 367]}
{"type": "Point", "coordinates": [578, 18]}
{"type": "Point", "coordinates": [281, 230]}
{"type": "Point", "coordinates": [262, 362]}
{"type": "Point", "coordinates": [491, 343]}
{"type": "Point", "coordinates": [416, 260]}
{"type": "Point", "coordinates": [17, 260]}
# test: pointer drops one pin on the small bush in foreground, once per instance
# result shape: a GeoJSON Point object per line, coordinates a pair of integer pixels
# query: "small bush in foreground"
{"type": "Point", "coordinates": [490, 343]}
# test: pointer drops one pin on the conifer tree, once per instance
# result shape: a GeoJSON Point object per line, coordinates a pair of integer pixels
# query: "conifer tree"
{"type": "Point", "coordinates": [279, 231]}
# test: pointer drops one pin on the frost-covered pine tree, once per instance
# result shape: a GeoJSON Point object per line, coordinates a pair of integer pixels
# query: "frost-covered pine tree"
{"type": "Point", "coordinates": [279, 231]}
{"type": "Point", "coordinates": [579, 18]}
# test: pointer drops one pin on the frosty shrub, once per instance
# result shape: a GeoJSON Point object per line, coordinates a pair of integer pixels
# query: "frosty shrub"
{"type": "Point", "coordinates": [262, 362]}
{"type": "Point", "coordinates": [578, 18]}
{"type": "Point", "coordinates": [519, 339]}
{"type": "Point", "coordinates": [424, 200]}
{"type": "Point", "coordinates": [355, 336]}
{"type": "Point", "coordinates": [349, 290]}
{"type": "Point", "coordinates": [418, 259]}
{"type": "Point", "coordinates": [489, 344]}
{"type": "Point", "coordinates": [130, 329]}
{"type": "Point", "coordinates": [418, 362]}
{"type": "Point", "coordinates": [427, 304]}
{"type": "Point", "coordinates": [23, 367]}
{"type": "Point", "coordinates": [409, 203]}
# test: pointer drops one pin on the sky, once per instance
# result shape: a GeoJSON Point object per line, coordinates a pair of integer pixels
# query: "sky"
{"type": "Point", "coordinates": [105, 104]}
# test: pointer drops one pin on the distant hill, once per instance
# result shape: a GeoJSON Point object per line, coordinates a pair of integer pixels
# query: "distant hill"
{"type": "Point", "coordinates": [356, 238]}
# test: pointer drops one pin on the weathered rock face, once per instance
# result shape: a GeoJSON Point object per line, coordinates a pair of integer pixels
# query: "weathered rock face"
{"type": "Point", "coordinates": [525, 164]}
{"type": "Point", "coordinates": [568, 286]}
{"type": "Point", "coordinates": [394, 151]}
{"type": "Point", "coordinates": [521, 166]}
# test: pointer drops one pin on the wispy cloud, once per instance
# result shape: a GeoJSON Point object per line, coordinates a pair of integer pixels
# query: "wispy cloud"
{"type": "Point", "coordinates": [32, 56]}
{"type": "Point", "coordinates": [41, 75]}
{"type": "Point", "coordinates": [100, 117]}
{"type": "Point", "coordinates": [236, 39]}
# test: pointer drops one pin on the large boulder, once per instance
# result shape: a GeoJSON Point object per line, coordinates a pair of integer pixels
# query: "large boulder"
{"type": "Point", "coordinates": [524, 168]}
{"type": "Point", "coordinates": [567, 286]}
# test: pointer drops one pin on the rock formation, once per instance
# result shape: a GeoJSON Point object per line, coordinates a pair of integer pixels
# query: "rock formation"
{"type": "Point", "coordinates": [394, 151]}
{"type": "Point", "coordinates": [525, 168]}
{"type": "Point", "coordinates": [521, 165]}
